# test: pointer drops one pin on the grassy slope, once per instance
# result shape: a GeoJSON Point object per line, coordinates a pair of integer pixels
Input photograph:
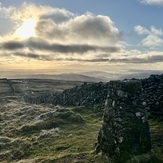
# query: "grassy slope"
{"type": "Point", "coordinates": [75, 139]}
{"type": "Point", "coordinates": [72, 142]}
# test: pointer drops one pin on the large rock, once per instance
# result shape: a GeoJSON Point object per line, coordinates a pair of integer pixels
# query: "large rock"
{"type": "Point", "coordinates": [125, 130]}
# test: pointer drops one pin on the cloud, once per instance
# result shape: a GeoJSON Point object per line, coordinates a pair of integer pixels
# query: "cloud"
{"type": "Point", "coordinates": [60, 34]}
{"type": "Point", "coordinates": [86, 29]}
{"type": "Point", "coordinates": [152, 41]}
{"type": "Point", "coordinates": [138, 57]}
{"type": "Point", "coordinates": [153, 38]}
{"type": "Point", "coordinates": [64, 36]}
{"type": "Point", "coordinates": [144, 31]}
{"type": "Point", "coordinates": [141, 30]}
{"type": "Point", "coordinates": [32, 56]}
{"type": "Point", "coordinates": [33, 52]}
{"type": "Point", "coordinates": [156, 31]}
{"type": "Point", "coordinates": [58, 15]}
{"type": "Point", "coordinates": [70, 48]}
{"type": "Point", "coordinates": [149, 57]}
{"type": "Point", "coordinates": [31, 10]}
{"type": "Point", "coordinates": [153, 2]}
{"type": "Point", "coordinates": [41, 45]}
{"type": "Point", "coordinates": [12, 45]}
{"type": "Point", "coordinates": [61, 25]}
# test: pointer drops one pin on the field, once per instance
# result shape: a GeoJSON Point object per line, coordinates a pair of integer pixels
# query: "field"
{"type": "Point", "coordinates": [32, 133]}
{"type": "Point", "coordinates": [19, 87]}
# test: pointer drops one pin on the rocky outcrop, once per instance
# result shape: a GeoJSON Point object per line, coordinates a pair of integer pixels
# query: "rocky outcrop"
{"type": "Point", "coordinates": [125, 130]}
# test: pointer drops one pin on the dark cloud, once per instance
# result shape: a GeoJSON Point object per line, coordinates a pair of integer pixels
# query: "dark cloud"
{"type": "Point", "coordinates": [36, 44]}
{"type": "Point", "coordinates": [33, 56]}
{"type": "Point", "coordinates": [12, 45]}
{"type": "Point", "coordinates": [72, 48]}
{"type": "Point", "coordinates": [97, 60]}
{"type": "Point", "coordinates": [60, 48]}
{"type": "Point", "coordinates": [156, 58]}
{"type": "Point", "coordinates": [149, 59]}
{"type": "Point", "coordinates": [53, 51]}
{"type": "Point", "coordinates": [137, 60]}
{"type": "Point", "coordinates": [29, 55]}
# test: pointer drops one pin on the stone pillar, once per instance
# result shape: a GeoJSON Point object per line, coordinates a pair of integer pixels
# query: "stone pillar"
{"type": "Point", "coordinates": [125, 130]}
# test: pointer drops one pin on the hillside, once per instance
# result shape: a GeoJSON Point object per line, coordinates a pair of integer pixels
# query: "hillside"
{"type": "Point", "coordinates": [60, 121]}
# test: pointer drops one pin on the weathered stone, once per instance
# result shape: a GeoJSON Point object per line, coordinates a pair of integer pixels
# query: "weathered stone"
{"type": "Point", "coordinates": [125, 130]}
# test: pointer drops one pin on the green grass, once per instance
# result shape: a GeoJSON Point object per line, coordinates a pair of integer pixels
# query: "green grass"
{"type": "Point", "coordinates": [75, 142]}
{"type": "Point", "coordinates": [72, 139]}
{"type": "Point", "coordinates": [156, 129]}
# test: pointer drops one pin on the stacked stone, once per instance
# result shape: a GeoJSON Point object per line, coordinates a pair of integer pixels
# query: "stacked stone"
{"type": "Point", "coordinates": [125, 130]}
{"type": "Point", "coordinates": [85, 95]}
{"type": "Point", "coordinates": [88, 94]}
{"type": "Point", "coordinates": [153, 96]}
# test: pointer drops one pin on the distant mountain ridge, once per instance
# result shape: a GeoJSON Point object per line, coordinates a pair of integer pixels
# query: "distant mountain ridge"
{"type": "Point", "coordinates": [88, 76]}
{"type": "Point", "coordinates": [64, 76]}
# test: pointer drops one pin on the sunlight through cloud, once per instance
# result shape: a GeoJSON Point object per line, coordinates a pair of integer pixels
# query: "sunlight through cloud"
{"type": "Point", "coordinates": [27, 29]}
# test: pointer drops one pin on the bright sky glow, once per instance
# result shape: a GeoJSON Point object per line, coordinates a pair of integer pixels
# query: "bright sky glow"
{"type": "Point", "coordinates": [27, 29]}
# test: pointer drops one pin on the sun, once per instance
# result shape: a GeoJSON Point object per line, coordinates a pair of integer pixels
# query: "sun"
{"type": "Point", "coordinates": [27, 29]}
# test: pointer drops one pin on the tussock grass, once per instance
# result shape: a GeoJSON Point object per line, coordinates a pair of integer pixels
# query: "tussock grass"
{"type": "Point", "coordinates": [72, 138]}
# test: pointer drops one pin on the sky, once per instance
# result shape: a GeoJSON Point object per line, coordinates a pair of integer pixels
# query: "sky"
{"type": "Point", "coordinates": [60, 36]}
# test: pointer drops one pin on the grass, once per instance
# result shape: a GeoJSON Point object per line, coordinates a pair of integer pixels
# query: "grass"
{"type": "Point", "coordinates": [156, 128]}
{"type": "Point", "coordinates": [70, 142]}
{"type": "Point", "coordinates": [73, 139]}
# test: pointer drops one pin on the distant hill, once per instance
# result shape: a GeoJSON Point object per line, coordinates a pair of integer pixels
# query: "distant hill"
{"type": "Point", "coordinates": [108, 76]}
{"type": "Point", "coordinates": [141, 74]}
{"type": "Point", "coordinates": [89, 76]}
{"type": "Point", "coordinates": [64, 76]}
{"type": "Point", "coordinates": [103, 75]}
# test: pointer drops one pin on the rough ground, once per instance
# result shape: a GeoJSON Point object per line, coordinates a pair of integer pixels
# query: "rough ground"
{"type": "Point", "coordinates": [37, 131]}
{"type": "Point", "coordinates": [70, 138]}
{"type": "Point", "coordinates": [31, 133]}
{"type": "Point", "coordinates": [35, 87]}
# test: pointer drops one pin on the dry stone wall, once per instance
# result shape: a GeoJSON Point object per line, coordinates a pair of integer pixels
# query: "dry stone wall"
{"type": "Point", "coordinates": [152, 95]}
{"type": "Point", "coordinates": [89, 94]}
